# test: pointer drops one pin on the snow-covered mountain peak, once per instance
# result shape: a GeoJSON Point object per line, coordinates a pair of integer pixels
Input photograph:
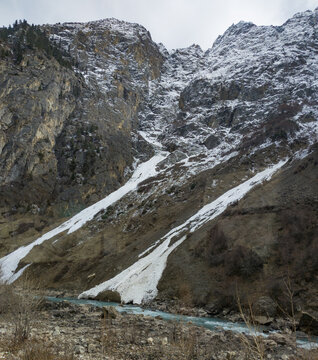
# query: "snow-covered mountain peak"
{"type": "Point", "coordinates": [126, 29]}
{"type": "Point", "coordinates": [241, 27]}
{"type": "Point", "coordinates": [198, 91]}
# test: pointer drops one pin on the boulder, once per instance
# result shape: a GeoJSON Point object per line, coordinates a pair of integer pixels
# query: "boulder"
{"type": "Point", "coordinates": [109, 296]}
{"type": "Point", "coordinates": [263, 320]}
{"type": "Point", "coordinates": [212, 308]}
{"type": "Point", "coordinates": [172, 158]}
{"type": "Point", "coordinates": [265, 306]}
{"type": "Point", "coordinates": [164, 341]}
{"type": "Point", "coordinates": [211, 141]}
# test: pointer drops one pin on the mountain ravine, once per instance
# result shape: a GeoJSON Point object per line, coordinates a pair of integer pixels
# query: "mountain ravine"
{"type": "Point", "coordinates": [134, 173]}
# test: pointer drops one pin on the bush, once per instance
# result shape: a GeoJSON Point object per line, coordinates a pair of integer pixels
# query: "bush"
{"type": "Point", "coordinates": [18, 309]}
{"type": "Point", "coordinates": [243, 262]}
{"type": "Point", "coordinates": [239, 260]}
{"type": "Point", "coordinates": [41, 351]}
{"type": "Point", "coordinates": [297, 243]}
{"type": "Point", "coordinates": [213, 247]}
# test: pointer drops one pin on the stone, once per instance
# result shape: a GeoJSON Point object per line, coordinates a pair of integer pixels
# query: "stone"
{"type": "Point", "coordinates": [270, 343]}
{"type": "Point", "coordinates": [79, 350]}
{"type": "Point", "coordinates": [172, 158]}
{"type": "Point", "coordinates": [109, 296]}
{"type": "Point", "coordinates": [265, 306]}
{"type": "Point", "coordinates": [150, 341]}
{"type": "Point", "coordinates": [91, 348]}
{"type": "Point", "coordinates": [263, 320]}
{"type": "Point", "coordinates": [211, 141]}
{"type": "Point", "coordinates": [56, 331]}
{"type": "Point", "coordinates": [212, 308]}
{"type": "Point", "coordinates": [164, 341]}
{"type": "Point", "coordinates": [231, 355]}
{"type": "Point", "coordinates": [35, 209]}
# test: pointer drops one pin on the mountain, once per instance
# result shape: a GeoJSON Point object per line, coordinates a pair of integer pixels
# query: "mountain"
{"type": "Point", "coordinates": [135, 173]}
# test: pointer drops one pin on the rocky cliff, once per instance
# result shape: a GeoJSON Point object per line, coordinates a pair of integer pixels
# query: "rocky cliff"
{"type": "Point", "coordinates": [220, 148]}
{"type": "Point", "coordinates": [67, 135]}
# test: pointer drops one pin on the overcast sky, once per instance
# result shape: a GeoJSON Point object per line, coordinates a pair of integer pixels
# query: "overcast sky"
{"type": "Point", "coordinates": [175, 23]}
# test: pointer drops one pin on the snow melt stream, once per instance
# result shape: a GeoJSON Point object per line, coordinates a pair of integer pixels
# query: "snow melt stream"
{"type": "Point", "coordinates": [138, 283]}
{"type": "Point", "coordinates": [10, 262]}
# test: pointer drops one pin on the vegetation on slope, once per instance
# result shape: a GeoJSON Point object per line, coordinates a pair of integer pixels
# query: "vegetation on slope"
{"type": "Point", "coordinates": [18, 39]}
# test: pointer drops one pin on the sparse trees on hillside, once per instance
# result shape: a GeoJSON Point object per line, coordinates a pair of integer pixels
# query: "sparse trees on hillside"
{"type": "Point", "coordinates": [22, 37]}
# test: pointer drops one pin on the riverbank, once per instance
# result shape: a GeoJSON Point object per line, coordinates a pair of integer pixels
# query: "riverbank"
{"type": "Point", "coordinates": [262, 315]}
{"type": "Point", "coordinates": [68, 331]}
{"type": "Point", "coordinates": [174, 307]}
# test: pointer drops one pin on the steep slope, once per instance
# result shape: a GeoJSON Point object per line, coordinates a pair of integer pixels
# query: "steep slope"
{"type": "Point", "coordinates": [218, 123]}
{"type": "Point", "coordinates": [38, 95]}
{"type": "Point", "coordinates": [82, 120]}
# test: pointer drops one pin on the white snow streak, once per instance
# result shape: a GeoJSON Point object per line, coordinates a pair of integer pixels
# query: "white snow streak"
{"type": "Point", "coordinates": [150, 139]}
{"type": "Point", "coordinates": [138, 283]}
{"type": "Point", "coordinates": [10, 262]}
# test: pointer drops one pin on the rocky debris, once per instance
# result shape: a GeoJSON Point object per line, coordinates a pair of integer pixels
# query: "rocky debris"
{"type": "Point", "coordinates": [87, 336]}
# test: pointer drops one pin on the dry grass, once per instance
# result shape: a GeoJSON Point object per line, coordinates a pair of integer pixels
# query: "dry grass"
{"type": "Point", "coordinates": [188, 345]}
{"type": "Point", "coordinates": [255, 348]}
{"type": "Point", "coordinates": [254, 345]}
{"type": "Point", "coordinates": [18, 308]}
{"type": "Point", "coordinates": [181, 344]}
{"type": "Point", "coordinates": [33, 349]}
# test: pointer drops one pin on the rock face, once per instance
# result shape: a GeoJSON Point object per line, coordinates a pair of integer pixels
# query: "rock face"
{"type": "Point", "coordinates": [70, 127]}
{"type": "Point", "coordinates": [217, 118]}
{"type": "Point", "coordinates": [117, 61]}
{"type": "Point", "coordinates": [37, 98]}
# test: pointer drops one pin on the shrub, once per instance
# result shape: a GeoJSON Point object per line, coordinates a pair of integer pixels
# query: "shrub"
{"type": "Point", "coordinates": [213, 247]}
{"type": "Point", "coordinates": [297, 241]}
{"type": "Point", "coordinates": [185, 294]}
{"type": "Point", "coordinates": [243, 262]}
{"type": "Point", "coordinates": [18, 309]}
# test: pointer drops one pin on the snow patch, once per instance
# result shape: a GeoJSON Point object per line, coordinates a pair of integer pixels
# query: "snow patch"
{"type": "Point", "coordinates": [138, 283]}
{"type": "Point", "coordinates": [150, 139]}
{"type": "Point", "coordinates": [10, 262]}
